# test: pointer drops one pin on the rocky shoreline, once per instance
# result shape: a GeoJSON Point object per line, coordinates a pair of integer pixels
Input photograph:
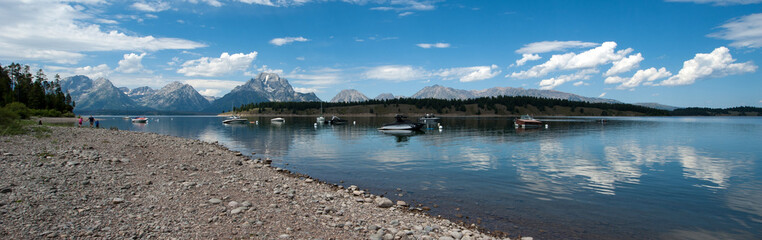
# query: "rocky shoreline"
{"type": "Point", "coordinates": [99, 183]}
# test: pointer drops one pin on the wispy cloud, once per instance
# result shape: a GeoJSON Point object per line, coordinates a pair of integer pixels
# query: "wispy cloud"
{"type": "Point", "coordinates": [553, 46]}
{"type": "Point", "coordinates": [720, 2]}
{"type": "Point", "coordinates": [287, 40]}
{"type": "Point", "coordinates": [401, 73]}
{"type": "Point", "coordinates": [433, 45]}
{"type": "Point", "coordinates": [745, 31]}
{"type": "Point", "coordinates": [151, 6]}
{"type": "Point", "coordinates": [58, 32]}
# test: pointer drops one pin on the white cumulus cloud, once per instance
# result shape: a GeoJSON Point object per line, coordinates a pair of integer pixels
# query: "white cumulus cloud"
{"type": "Point", "coordinates": [745, 31]}
{"type": "Point", "coordinates": [718, 63]}
{"type": "Point", "coordinates": [433, 45]}
{"type": "Point", "coordinates": [225, 64]}
{"type": "Point", "coordinates": [287, 40]}
{"type": "Point", "coordinates": [603, 54]}
{"type": "Point", "coordinates": [645, 77]}
{"type": "Point", "coordinates": [131, 63]}
{"type": "Point", "coordinates": [557, 81]}
{"type": "Point", "coordinates": [625, 65]}
{"type": "Point", "coordinates": [552, 46]}
{"type": "Point", "coordinates": [527, 57]}
{"type": "Point", "coordinates": [59, 32]}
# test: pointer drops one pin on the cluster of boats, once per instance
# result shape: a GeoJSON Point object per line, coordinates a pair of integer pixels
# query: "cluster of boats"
{"type": "Point", "coordinates": [401, 122]}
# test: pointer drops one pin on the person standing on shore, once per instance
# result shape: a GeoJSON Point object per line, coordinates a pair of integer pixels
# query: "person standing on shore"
{"type": "Point", "coordinates": [92, 119]}
{"type": "Point", "coordinates": [80, 121]}
{"type": "Point", "coordinates": [97, 124]}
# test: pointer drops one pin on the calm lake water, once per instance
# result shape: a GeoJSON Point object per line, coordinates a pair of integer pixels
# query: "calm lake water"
{"type": "Point", "coordinates": [627, 178]}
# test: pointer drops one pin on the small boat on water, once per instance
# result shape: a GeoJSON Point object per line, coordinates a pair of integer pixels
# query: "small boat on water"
{"type": "Point", "coordinates": [277, 120]}
{"type": "Point", "coordinates": [401, 123]}
{"type": "Point", "coordinates": [320, 120]}
{"type": "Point", "coordinates": [140, 120]}
{"type": "Point", "coordinates": [527, 121]}
{"type": "Point", "coordinates": [337, 121]}
{"type": "Point", "coordinates": [429, 118]}
{"type": "Point", "coordinates": [235, 120]}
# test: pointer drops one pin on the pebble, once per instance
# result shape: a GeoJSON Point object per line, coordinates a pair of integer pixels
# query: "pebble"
{"type": "Point", "coordinates": [232, 204]}
{"type": "Point", "coordinates": [237, 210]}
{"type": "Point", "coordinates": [284, 236]}
{"type": "Point", "coordinates": [383, 202]}
{"type": "Point", "coordinates": [117, 200]}
{"type": "Point", "coordinates": [215, 201]}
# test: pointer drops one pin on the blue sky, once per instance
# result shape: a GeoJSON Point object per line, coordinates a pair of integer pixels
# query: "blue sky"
{"type": "Point", "coordinates": [680, 52]}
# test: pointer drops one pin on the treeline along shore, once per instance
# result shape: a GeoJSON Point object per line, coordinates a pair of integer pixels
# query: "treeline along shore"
{"type": "Point", "coordinates": [68, 182]}
{"type": "Point", "coordinates": [486, 106]}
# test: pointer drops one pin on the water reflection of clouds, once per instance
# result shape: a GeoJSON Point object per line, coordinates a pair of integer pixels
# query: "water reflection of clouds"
{"type": "Point", "coordinates": [622, 163]}
{"type": "Point", "coordinates": [476, 159]}
{"type": "Point", "coordinates": [706, 168]}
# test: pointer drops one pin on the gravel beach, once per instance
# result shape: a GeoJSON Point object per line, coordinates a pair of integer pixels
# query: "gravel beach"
{"type": "Point", "coordinates": [100, 183]}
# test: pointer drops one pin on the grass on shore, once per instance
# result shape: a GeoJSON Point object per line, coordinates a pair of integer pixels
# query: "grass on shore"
{"type": "Point", "coordinates": [25, 126]}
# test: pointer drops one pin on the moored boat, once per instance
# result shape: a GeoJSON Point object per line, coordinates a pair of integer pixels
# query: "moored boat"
{"type": "Point", "coordinates": [527, 121]}
{"type": "Point", "coordinates": [401, 123]}
{"type": "Point", "coordinates": [429, 118]}
{"type": "Point", "coordinates": [337, 121]}
{"type": "Point", "coordinates": [235, 120]}
{"type": "Point", "coordinates": [140, 120]}
{"type": "Point", "coordinates": [278, 120]}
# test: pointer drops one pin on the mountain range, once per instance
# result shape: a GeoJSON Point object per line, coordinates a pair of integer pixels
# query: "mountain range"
{"type": "Point", "coordinates": [441, 92]}
{"type": "Point", "coordinates": [101, 95]}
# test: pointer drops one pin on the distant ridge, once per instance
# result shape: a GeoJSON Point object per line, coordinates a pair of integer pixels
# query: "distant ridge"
{"type": "Point", "coordinates": [441, 92]}
{"type": "Point", "coordinates": [657, 106]}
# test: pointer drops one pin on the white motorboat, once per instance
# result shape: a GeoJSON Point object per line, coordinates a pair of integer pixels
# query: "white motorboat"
{"type": "Point", "coordinates": [235, 120]}
{"type": "Point", "coordinates": [277, 120]}
{"type": "Point", "coordinates": [401, 124]}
